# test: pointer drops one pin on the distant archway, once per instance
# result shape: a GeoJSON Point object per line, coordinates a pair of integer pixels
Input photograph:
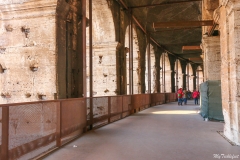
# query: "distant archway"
{"type": "Point", "coordinates": [153, 71]}
{"type": "Point", "coordinates": [136, 62]}
{"type": "Point", "coordinates": [199, 78]}
{"type": "Point", "coordinates": [178, 75]}
{"type": "Point", "coordinates": [165, 74]}
{"type": "Point", "coordinates": [189, 77]}
{"type": "Point", "coordinates": [104, 50]}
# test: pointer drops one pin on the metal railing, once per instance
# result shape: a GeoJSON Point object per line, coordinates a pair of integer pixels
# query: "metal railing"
{"type": "Point", "coordinates": [30, 129]}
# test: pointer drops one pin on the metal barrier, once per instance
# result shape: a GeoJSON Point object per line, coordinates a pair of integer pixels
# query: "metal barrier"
{"type": "Point", "coordinates": [30, 129]}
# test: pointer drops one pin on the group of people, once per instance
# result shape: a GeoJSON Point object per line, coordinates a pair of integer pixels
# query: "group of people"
{"type": "Point", "coordinates": [183, 95]}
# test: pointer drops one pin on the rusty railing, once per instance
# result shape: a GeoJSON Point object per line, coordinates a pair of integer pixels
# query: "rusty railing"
{"type": "Point", "coordinates": [33, 128]}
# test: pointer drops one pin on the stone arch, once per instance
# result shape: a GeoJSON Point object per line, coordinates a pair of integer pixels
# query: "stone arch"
{"type": "Point", "coordinates": [199, 77]}
{"type": "Point", "coordinates": [165, 73]}
{"type": "Point", "coordinates": [136, 62]}
{"type": "Point", "coordinates": [153, 71]}
{"type": "Point", "coordinates": [103, 23]}
{"type": "Point", "coordinates": [104, 50]}
{"type": "Point", "coordinates": [189, 77]}
{"type": "Point", "coordinates": [178, 74]}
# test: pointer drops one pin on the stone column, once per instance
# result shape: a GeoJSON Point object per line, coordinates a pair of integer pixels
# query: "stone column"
{"type": "Point", "coordinates": [212, 58]}
{"type": "Point", "coordinates": [230, 71]}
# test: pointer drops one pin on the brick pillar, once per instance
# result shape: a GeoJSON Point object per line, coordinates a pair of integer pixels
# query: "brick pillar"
{"type": "Point", "coordinates": [212, 58]}
{"type": "Point", "coordinates": [230, 70]}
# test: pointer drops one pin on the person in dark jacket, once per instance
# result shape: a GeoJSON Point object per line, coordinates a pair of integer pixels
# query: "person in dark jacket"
{"type": "Point", "coordinates": [185, 96]}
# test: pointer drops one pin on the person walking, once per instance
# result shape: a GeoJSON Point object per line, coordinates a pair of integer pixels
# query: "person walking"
{"type": "Point", "coordinates": [180, 96]}
{"type": "Point", "coordinates": [195, 96]}
{"type": "Point", "coordinates": [189, 94]}
{"type": "Point", "coordinates": [184, 96]}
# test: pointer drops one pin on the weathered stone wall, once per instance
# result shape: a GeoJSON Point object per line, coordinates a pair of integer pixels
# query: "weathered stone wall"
{"type": "Point", "coordinates": [230, 70]}
{"type": "Point", "coordinates": [199, 74]}
{"type": "Point", "coordinates": [165, 78]}
{"type": "Point", "coordinates": [190, 78]}
{"type": "Point", "coordinates": [212, 58]}
{"type": "Point", "coordinates": [27, 50]}
{"type": "Point", "coordinates": [153, 71]}
{"type": "Point", "coordinates": [104, 69]}
{"type": "Point", "coordinates": [104, 50]}
{"type": "Point", "coordinates": [137, 58]}
{"type": "Point", "coordinates": [178, 75]}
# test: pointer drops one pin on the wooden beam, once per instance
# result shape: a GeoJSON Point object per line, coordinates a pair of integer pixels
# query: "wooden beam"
{"type": "Point", "coordinates": [189, 48]}
{"type": "Point", "coordinates": [165, 3]}
{"type": "Point", "coordinates": [182, 24]}
{"type": "Point", "coordinates": [195, 59]}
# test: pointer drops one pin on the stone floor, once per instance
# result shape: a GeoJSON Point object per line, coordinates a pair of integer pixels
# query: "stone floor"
{"type": "Point", "coordinates": [164, 132]}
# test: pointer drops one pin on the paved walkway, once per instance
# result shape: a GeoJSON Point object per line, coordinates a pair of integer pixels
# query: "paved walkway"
{"type": "Point", "coordinates": [163, 132]}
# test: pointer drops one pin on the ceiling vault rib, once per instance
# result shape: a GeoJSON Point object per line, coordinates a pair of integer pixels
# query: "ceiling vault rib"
{"type": "Point", "coordinates": [153, 40]}
{"type": "Point", "coordinates": [162, 4]}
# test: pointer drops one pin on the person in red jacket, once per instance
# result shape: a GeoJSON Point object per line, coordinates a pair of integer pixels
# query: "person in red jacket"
{"type": "Point", "coordinates": [195, 96]}
{"type": "Point", "coordinates": [180, 96]}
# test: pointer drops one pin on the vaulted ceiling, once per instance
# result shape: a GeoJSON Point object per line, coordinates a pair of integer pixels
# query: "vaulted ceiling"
{"type": "Point", "coordinates": [174, 38]}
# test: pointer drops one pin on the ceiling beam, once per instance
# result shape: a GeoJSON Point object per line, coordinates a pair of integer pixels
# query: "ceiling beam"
{"type": "Point", "coordinates": [176, 29]}
{"type": "Point", "coordinates": [121, 2]}
{"type": "Point", "coordinates": [195, 59]}
{"type": "Point", "coordinates": [162, 4]}
{"type": "Point", "coordinates": [182, 24]}
{"type": "Point", "coordinates": [190, 55]}
{"type": "Point", "coordinates": [190, 48]}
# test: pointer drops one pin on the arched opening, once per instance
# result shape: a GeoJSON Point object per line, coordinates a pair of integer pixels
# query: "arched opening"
{"type": "Point", "coordinates": [104, 50]}
{"type": "Point", "coordinates": [199, 78]}
{"type": "Point", "coordinates": [178, 75]}
{"type": "Point", "coordinates": [165, 73]}
{"type": "Point", "coordinates": [153, 71]}
{"type": "Point", "coordinates": [136, 62]}
{"type": "Point", "coordinates": [189, 77]}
